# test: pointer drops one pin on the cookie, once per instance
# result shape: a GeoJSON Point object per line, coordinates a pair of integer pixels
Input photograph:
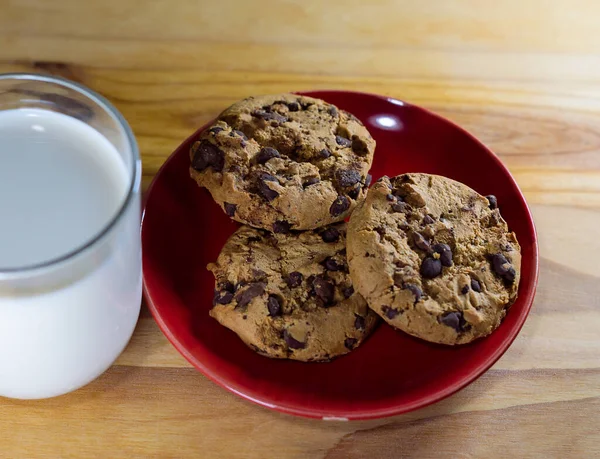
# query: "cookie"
{"type": "Point", "coordinates": [433, 258]}
{"type": "Point", "coordinates": [284, 162]}
{"type": "Point", "coordinates": [290, 295]}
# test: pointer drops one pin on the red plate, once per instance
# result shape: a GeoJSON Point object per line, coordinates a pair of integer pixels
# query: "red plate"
{"type": "Point", "coordinates": [391, 373]}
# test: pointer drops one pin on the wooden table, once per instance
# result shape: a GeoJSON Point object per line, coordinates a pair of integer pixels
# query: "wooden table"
{"type": "Point", "coordinates": [523, 76]}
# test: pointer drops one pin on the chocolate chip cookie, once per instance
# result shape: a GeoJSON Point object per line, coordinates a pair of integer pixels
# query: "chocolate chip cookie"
{"type": "Point", "coordinates": [284, 162]}
{"type": "Point", "coordinates": [290, 295]}
{"type": "Point", "coordinates": [433, 258]}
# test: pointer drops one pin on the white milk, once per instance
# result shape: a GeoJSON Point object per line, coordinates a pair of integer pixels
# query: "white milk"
{"type": "Point", "coordinates": [61, 183]}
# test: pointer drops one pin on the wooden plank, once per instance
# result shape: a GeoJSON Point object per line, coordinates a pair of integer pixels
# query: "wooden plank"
{"type": "Point", "coordinates": [177, 413]}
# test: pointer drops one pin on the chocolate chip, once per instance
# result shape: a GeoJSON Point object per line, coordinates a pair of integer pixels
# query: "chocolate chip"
{"type": "Point", "coordinates": [257, 349]}
{"type": "Point", "coordinates": [348, 291]}
{"type": "Point", "coordinates": [475, 285]}
{"type": "Point", "coordinates": [415, 290]}
{"type": "Point", "coordinates": [493, 201]}
{"type": "Point", "coordinates": [215, 130]}
{"type": "Point", "coordinates": [390, 313]}
{"type": "Point", "coordinates": [400, 207]}
{"type": "Point", "coordinates": [342, 141]}
{"type": "Point", "coordinates": [292, 342]}
{"type": "Point", "coordinates": [281, 227]}
{"type": "Point", "coordinates": [380, 230]}
{"type": "Point", "coordinates": [246, 296]}
{"type": "Point", "coordinates": [421, 242]}
{"type": "Point", "coordinates": [339, 206]}
{"type": "Point", "coordinates": [354, 193]}
{"type": "Point", "coordinates": [208, 155]}
{"type": "Point", "coordinates": [503, 268]}
{"type": "Point", "coordinates": [428, 220]}
{"type": "Point", "coordinates": [230, 209]}
{"type": "Point", "coordinates": [430, 268]}
{"type": "Point", "coordinates": [359, 146]}
{"type": "Point", "coordinates": [293, 106]}
{"type": "Point", "coordinates": [445, 253]}
{"type": "Point", "coordinates": [294, 279]}
{"type": "Point", "coordinates": [239, 285]}
{"type": "Point", "coordinates": [346, 178]}
{"type": "Point", "coordinates": [359, 322]}
{"type": "Point", "coordinates": [222, 297]}
{"type": "Point", "coordinates": [266, 154]}
{"type": "Point", "coordinates": [390, 197]}
{"type": "Point", "coordinates": [259, 274]}
{"type": "Point", "coordinates": [330, 235]}
{"type": "Point", "coordinates": [511, 275]}
{"type": "Point", "coordinates": [465, 290]}
{"type": "Point", "coordinates": [350, 343]}
{"type": "Point", "coordinates": [453, 319]}
{"type": "Point", "coordinates": [263, 188]}
{"type": "Point", "coordinates": [274, 306]}
{"type": "Point", "coordinates": [398, 280]}
{"type": "Point", "coordinates": [494, 219]}
{"type": "Point", "coordinates": [398, 193]}
{"type": "Point", "coordinates": [324, 153]}
{"type": "Point", "coordinates": [368, 180]}
{"type": "Point", "coordinates": [332, 111]}
{"type": "Point", "coordinates": [310, 181]}
{"type": "Point", "coordinates": [269, 116]}
{"type": "Point", "coordinates": [350, 116]}
{"type": "Point", "coordinates": [331, 265]}
{"type": "Point", "coordinates": [311, 289]}
{"type": "Point", "coordinates": [324, 289]}
{"type": "Point", "coordinates": [228, 286]}
{"type": "Point", "coordinates": [240, 133]}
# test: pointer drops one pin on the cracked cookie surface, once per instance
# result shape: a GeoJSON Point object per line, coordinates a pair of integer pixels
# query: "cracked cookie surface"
{"type": "Point", "coordinates": [433, 258]}
{"type": "Point", "coordinates": [284, 162]}
{"type": "Point", "coordinates": [290, 295]}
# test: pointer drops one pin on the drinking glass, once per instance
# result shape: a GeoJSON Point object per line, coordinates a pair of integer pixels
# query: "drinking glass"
{"type": "Point", "coordinates": [65, 320]}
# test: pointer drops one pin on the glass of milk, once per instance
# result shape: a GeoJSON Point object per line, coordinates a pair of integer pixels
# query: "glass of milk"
{"type": "Point", "coordinates": [70, 256]}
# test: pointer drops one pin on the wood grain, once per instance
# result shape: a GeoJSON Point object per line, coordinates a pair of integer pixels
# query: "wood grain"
{"type": "Point", "coordinates": [522, 76]}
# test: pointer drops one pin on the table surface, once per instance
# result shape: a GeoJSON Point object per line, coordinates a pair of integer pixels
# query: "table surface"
{"type": "Point", "coordinates": [523, 76]}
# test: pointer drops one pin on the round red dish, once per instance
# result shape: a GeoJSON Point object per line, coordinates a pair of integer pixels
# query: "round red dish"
{"type": "Point", "coordinates": [391, 373]}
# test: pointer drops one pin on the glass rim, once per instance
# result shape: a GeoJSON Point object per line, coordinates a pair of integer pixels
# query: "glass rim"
{"type": "Point", "coordinates": [134, 179]}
